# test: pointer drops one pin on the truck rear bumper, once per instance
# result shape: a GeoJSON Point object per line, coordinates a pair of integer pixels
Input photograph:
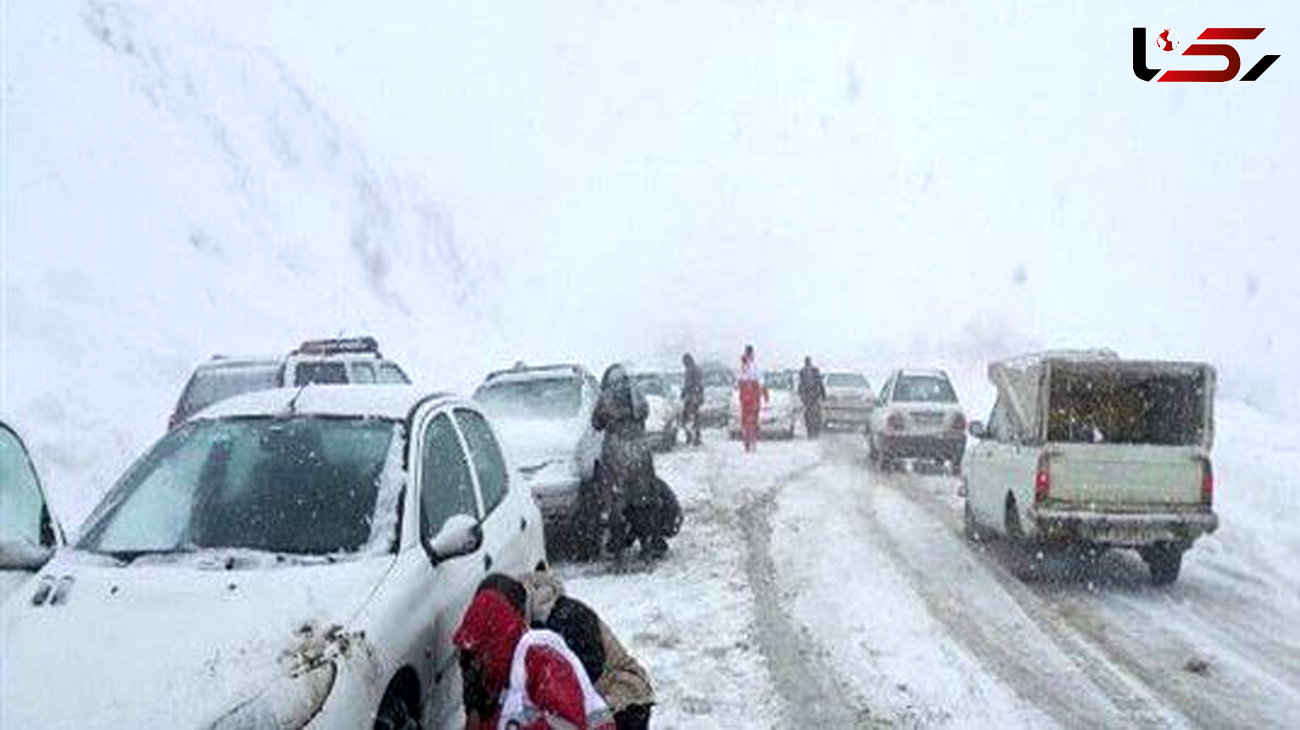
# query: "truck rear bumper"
{"type": "Point", "coordinates": [1124, 528]}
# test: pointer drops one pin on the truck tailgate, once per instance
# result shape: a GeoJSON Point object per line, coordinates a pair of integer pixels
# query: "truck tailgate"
{"type": "Point", "coordinates": [1124, 477]}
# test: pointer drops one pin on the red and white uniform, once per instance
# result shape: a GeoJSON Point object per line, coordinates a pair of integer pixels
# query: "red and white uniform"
{"type": "Point", "coordinates": [543, 678]}
{"type": "Point", "coordinates": [752, 394]}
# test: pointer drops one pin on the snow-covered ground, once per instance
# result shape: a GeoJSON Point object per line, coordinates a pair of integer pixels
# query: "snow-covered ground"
{"type": "Point", "coordinates": [807, 589]}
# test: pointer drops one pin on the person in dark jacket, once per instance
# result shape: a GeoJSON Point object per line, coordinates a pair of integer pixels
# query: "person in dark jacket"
{"type": "Point", "coordinates": [812, 391]}
{"type": "Point", "coordinates": [692, 399]}
{"type": "Point", "coordinates": [626, 474]}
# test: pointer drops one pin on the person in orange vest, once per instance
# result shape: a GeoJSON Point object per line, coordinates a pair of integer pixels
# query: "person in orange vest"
{"type": "Point", "coordinates": [752, 394]}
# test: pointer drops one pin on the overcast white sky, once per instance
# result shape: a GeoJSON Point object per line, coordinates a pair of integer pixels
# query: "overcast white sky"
{"type": "Point", "coordinates": [738, 170]}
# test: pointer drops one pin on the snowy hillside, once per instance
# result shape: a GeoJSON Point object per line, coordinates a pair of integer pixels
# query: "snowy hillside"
{"type": "Point", "coordinates": [171, 194]}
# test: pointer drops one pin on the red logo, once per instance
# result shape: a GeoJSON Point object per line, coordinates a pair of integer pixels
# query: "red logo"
{"type": "Point", "coordinates": [1167, 40]}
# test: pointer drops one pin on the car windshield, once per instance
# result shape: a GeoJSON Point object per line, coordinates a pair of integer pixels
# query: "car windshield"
{"type": "Point", "coordinates": [302, 485]}
{"type": "Point", "coordinates": [923, 389]}
{"type": "Point", "coordinates": [650, 384]}
{"type": "Point", "coordinates": [217, 384]}
{"type": "Point", "coordinates": [537, 398]}
{"type": "Point", "coordinates": [20, 494]}
{"type": "Point", "coordinates": [782, 380]}
{"type": "Point", "coordinates": [846, 380]}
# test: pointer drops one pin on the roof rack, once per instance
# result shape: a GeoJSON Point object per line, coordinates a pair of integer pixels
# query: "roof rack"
{"type": "Point", "coordinates": [339, 345]}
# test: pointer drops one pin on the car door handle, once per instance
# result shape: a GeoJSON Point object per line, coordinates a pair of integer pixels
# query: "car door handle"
{"type": "Point", "coordinates": [523, 524]}
{"type": "Point", "coordinates": [487, 562]}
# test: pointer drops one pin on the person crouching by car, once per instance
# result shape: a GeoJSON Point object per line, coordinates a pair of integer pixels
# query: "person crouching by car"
{"type": "Point", "coordinates": [627, 478]}
{"type": "Point", "coordinates": [618, 678]}
{"type": "Point", "coordinates": [517, 677]}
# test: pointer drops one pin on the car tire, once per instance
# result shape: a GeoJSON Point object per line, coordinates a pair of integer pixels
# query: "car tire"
{"type": "Point", "coordinates": [584, 528]}
{"type": "Point", "coordinates": [395, 710]}
{"type": "Point", "coordinates": [1164, 560]}
{"type": "Point", "coordinates": [1011, 521]}
{"type": "Point", "coordinates": [971, 527]}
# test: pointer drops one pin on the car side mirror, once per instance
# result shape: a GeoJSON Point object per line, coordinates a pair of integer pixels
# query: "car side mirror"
{"type": "Point", "coordinates": [24, 555]}
{"type": "Point", "coordinates": [460, 535]}
{"type": "Point", "coordinates": [979, 430]}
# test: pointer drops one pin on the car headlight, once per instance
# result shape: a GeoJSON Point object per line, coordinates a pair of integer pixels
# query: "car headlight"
{"type": "Point", "coordinates": [288, 702]}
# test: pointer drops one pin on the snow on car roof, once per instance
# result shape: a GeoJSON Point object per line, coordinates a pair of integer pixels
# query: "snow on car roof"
{"type": "Point", "coordinates": [550, 372]}
{"type": "Point", "coordinates": [241, 361]}
{"type": "Point", "coordinates": [923, 373]}
{"type": "Point", "coordinates": [381, 401]}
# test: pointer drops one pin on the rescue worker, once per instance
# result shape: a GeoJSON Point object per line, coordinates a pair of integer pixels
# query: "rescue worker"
{"type": "Point", "coordinates": [627, 481]}
{"type": "Point", "coordinates": [517, 677]}
{"type": "Point", "coordinates": [619, 679]}
{"type": "Point", "coordinates": [752, 393]}
{"type": "Point", "coordinates": [812, 391]}
{"type": "Point", "coordinates": [692, 399]}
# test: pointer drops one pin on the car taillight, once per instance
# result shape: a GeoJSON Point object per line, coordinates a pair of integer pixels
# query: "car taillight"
{"type": "Point", "coordinates": [959, 423]}
{"type": "Point", "coordinates": [1042, 479]}
{"type": "Point", "coordinates": [1207, 482]}
{"type": "Point", "coordinates": [896, 422]}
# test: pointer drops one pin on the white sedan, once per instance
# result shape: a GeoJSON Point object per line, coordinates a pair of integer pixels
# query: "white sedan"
{"type": "Point", "coordinates": [282, 559]}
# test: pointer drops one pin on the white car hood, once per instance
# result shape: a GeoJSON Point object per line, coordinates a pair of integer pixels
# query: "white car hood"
{"type": "Point", "coordinates": [166, 645]}
{"type": "Point", "coordinates": [531, 442]}
{"type": "Point", "coordinates": [658, 413]}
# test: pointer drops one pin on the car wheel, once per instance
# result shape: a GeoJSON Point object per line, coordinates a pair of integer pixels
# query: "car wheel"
{"type": "Point", "coordinates": [395, 710]}
{"type": "Point", "coordinates": [1164, 560]}
{"type": "Point", "coordinates": [1011, 520]}
{"type": "Point", "coordinates": [974, 532]}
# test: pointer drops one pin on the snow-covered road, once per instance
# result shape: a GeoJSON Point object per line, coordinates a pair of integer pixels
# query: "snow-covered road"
{"type": "Point", "coordinates": [807, 590]}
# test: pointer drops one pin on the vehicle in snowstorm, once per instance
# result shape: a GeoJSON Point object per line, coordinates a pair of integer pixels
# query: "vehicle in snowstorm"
{"type": "Point", "coordinates": [849, 400]}
{"type": "Point", "coordinates": [917, 417]}
{"type": "Point", "coordinates": [224, 377]}
{"type": "Point", "coordinates": [282, 558]}
{"type": "Point", "coordinates": [543, 414]}
{"type": "Point", "coordinates": [341, 361]}
{"type": "Point", "coordinates": [664, 409]}
{"type": "Point", "coordinates": [1087, 448]}
{"type": "Point", "coordinates": [778, 415]}
{"type": "Point", "coordinates": [719, 386]}
{"type": "Point", "coordinates": [29, 534]}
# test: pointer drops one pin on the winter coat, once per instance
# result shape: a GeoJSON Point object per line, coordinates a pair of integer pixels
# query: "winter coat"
{"type": "Point", "coordinates": [693, 385]}
{"type": "Point", "coordinates": [618, 677]}
{"type": "Point", "coordinates": [522, 674]}
{"type": "Point", "coordinates": [620, 414]}
{"type": "Point", "coordinates": [811, 387]}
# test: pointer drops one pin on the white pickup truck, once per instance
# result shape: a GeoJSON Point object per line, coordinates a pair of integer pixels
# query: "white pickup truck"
{"type": "Point", "coordinates": [1083, 447]}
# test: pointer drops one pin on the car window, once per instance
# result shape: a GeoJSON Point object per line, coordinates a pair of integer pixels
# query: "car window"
{"type": "Point", "coordinates": [847, 380]}
{"type": "Point", "coordinates": [390, 374]}
{"type": "Point", "coordinates": [999, 422]}
{"type": "Point", "coordinates": [299, 485]}
{"type": "Point", "coordinates": [485, 453]}
{"type": "Point", "coordinates": [20, 493]}
{"type": "Point", "coordinates": [923, 389]}
{"type": "Point", "coordinates": [216, 384]}
{"type": "Point", "coordinates": [446, 488]}
{"type": "Point", "coordinates": [650, 384]}
{"type": "Point", "coordinates": [363, 373]}
{"type": "Point", "coordinates": [321, 373]}
{"type": "Point", "coordinates": [884, 390]}
{"type": "Point", "coordinates": [532, 398]}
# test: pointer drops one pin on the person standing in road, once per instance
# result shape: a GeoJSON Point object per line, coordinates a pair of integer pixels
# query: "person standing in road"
{"type": "Point", "coordinates": [812, 391]}
{"type": "Point", "coordinates": [752, 393]}
{"type": "Point", "coordinates": [692, 399]}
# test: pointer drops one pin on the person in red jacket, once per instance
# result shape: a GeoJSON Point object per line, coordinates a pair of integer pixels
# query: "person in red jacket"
{"type": "Point", "coordinates": [752, 393]}
{"type": "Point", "coordinates": [516, 677]}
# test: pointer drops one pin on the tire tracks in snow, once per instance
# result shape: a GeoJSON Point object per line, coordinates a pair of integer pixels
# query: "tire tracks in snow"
{"type": "Point", "coordinates": [1028, 646]}
{"type": "Point", "coordinates": [812, 691]}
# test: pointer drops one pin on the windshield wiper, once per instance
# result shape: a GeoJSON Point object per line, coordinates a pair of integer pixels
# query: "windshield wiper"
{"type": "Point", "coordinates": [126, 557]}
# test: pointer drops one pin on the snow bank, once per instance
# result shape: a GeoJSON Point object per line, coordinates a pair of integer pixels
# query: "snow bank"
{"type": "Point", "coordinates": [172, 194]}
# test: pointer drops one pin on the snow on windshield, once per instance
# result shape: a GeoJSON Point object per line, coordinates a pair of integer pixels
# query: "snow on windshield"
{"type": "Point", "coordinates": [304, 485]}
{"type": "Point", "coordinates": [541, 398]}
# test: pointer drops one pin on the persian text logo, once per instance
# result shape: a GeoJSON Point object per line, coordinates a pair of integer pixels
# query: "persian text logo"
{"type": "Point", "coordinates": [1167, 40]}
